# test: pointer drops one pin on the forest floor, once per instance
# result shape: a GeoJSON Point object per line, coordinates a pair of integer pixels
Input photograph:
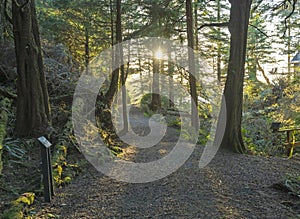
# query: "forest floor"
{"type": "Point", "coordinates": [231, 186]}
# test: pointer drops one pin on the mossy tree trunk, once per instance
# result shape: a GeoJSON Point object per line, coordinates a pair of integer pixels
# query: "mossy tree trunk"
{"type": "Point", "coordinates": [33, 110]}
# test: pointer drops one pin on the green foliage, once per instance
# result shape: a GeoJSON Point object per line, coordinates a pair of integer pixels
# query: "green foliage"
{"type": "Point", "coordinates": [4, 106]}
{"type": "Point", "coordinates": [110, 139]}
{"type": "Point", "coordinates": [215, 46]}
{"type": "Point", "coordinates": [18, 148]}
{"type": "Point", "coordinates": [68, 22]}
{"type": "Point", "coordinates": [152, 18]}
{"type": "Point", "coordinates": [175, 121]}
{"type": "Point", "coordinates": [290, 41]}
{"type": "Point", "coordinates": [20, 208]}
{"type": "Point", "coordinates": [284, 107]}
{"type": "Point", "coordinates": [146, 101]}
{"type": "Point", "coordinates": [13, 149]}
{"type": "Point", "coordinates": [26, 198]}
{"type": "Point", "coordinates": [259, 49]}
{"type": "Point", "coordinates": [63, 171]}
{"type": "Point", "coordinates": [204, 134]}
{"type": "Point", "coordinates": [264, 105]}
{"type": "Point", "coordinates": [14, 212]}
{"type": "Point", "coordinates": [259, 138]}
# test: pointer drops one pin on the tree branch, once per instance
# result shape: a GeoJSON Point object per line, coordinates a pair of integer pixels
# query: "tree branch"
{"type": "Point", "coordinates": [263, 72]}
{"type": "Point", "coordinates": [284, 4]}
{"type": "Point", "coordinates": [135, 33]}
{"type": "Point", "coordinates": [259, 30]}
{"type": "Point", "coordinates": [290, 14]}
{"type": "Point", "coordinates": [176, 21]}
{"type": "Point", "coordinates": [225, 24]}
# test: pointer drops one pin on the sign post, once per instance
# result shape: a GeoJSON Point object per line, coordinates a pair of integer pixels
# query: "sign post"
{"type": "Point", "coordinates": [46, 168]}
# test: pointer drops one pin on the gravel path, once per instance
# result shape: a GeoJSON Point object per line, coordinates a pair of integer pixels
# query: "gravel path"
{"type": "Point", "coordinates": [231, 186]}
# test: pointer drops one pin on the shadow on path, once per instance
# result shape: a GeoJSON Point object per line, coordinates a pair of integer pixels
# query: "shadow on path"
{"type": "Point", "coordinates": [231, 186]}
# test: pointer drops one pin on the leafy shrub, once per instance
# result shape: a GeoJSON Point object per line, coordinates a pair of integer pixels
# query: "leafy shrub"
{"type": "Point", "coordinates": [264, 105]}
{"type": "Point", "coordinates": [20, 208]}
{"type": "Point", "coordinates": [146, 101]}
{"type": "Point", "coordinates": [259, 137]}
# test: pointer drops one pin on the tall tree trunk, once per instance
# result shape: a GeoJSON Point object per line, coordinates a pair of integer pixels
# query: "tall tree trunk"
{"type": "Point", "coordinates": [156, 101]}
{"type": "Point", "coordinates": [163, 82]}
{"type": "Point", "coordinates": [196, 25]}
{"type": "Point", "coordinates": [5, 22]}
{"type": "Point", "coordinates": [33, 111]}
{"type": "Point", "coordinates": [121, 68]}
{"type": "Point", "coordinates": [219, 42]}
{"type": "Point", "coordinates": [87, 47]}
{"type": "Point", "coordinates": [149, 73]}
{"type": "Point", "coordinates": [171, 82]}
{"type": "Point", "coordinates": [289, 49]}
{"type": "Point", "coordinates": [2, 21]}
{"type": "Point", "coordinates": [141, 77]}
{"type": "Point", "coordinates": [238, 27]}
{"type": "Point", "coordinates": [192, 69]}
{"type": "Point", "coordinates": [113, 87]}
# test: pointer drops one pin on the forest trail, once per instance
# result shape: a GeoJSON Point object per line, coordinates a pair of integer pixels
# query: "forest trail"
{"type": "Point", "coordinates": [231, 186]}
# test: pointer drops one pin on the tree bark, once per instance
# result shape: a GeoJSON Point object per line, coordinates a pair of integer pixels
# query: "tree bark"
{"type": "Point", "coordinates": [219, 42]}
{"type": "Point", "coordinates": [163, 81]}
{"type": "Point", "coordinates": [263, 72]}
{"type": "Point", "coordinates": [33, 110]}
{"type": "Point", "coordinates": [87, 47]}
{"type": "Point", "coordinates": [156, 101]}
{"type": "Point", "coordinates": [192, 70]}
{"type": "Point", "coordinates": [238, 27]}
{"type": "Point", "coordinates": [196, 25]}
{"type": "Point", "coordinates": [289, 49]}
{"type": "Point", "coordinates": [113, 87]}
{"type": "Point", "coordinates": [141, 77]}
{"type": "Point", "coordinates": [171, 83]}
{"type": "Point", "coordinates": [2, 22]}
{"type": "Point", "coordinates": [121, 67]}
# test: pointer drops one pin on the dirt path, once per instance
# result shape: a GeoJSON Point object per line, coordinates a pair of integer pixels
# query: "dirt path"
{"type": "Point", "coordinates": [231, 186]}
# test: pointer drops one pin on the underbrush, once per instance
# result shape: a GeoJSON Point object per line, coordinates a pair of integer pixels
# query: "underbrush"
{"type": "Point", "coordinates": [265, 104]}
{"type": "Point", "coordinates": [21, 176]}
{"type": "Point", "coordinates": [172, 117]}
